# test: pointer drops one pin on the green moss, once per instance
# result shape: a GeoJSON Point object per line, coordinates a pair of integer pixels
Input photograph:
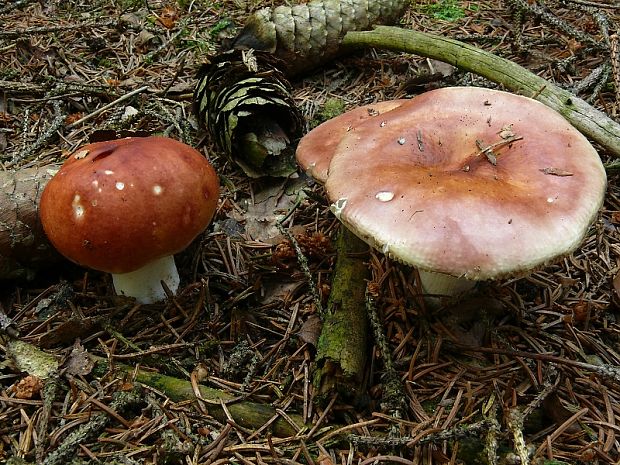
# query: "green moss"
{"type": "Point", "coordinates": [332, 107]}
{"type": "Point", "coordinates": [447, 10]}
{"type": "Point", "coordinates": [221, 25]}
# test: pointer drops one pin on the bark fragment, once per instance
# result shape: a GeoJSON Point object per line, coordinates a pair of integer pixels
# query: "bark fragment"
{"type": "Point", "coordinates": [23, 245]}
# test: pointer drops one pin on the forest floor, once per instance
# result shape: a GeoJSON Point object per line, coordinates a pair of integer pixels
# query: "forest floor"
{"type": "Point", "coordinates": [89, 377]}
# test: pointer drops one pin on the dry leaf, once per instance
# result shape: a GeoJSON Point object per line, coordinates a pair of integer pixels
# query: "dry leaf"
{"type": "Point", "coordinates": [616, 284]}
{"type": "Point", "coordinates": [144, 39]}
{"type": "Point", "coordinates": [555, 409]}
{"type": "Point", "coordinates": [69, 331]}
{"type": "Point", "coordinates": [28, 387]}
{"type": "Point", "coordinates": [310, 330]}
{"type": "Point", "coordinates": [269, 207]}
{"type": "Point", "coordinates": [168, 17]}
{"type": "Point", "coordinates": [556, 172]}
{"type": "Point", "coordinates": [78, 362]}
{"type": "Point", "coordinates": [506, 132]}
{"type": "Point", "coordinates": [325, 460]}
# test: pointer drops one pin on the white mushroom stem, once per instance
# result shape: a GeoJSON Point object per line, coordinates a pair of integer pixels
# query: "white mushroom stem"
{"type": "Point", "coordinates": [145, 283]}
{"type": "Point", "coordinates": [440, 284]}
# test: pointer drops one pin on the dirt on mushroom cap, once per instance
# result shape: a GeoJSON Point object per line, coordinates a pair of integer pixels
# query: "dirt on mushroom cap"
{"type": "Point", "coordinates": [421, 184]}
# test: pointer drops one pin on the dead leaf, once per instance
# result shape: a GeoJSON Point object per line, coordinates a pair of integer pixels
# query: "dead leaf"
{"type": "Point", "coordinates": [78, 362]}
{"type": "Point", "coordinates": [325, 460]}
{"type": "Point", "coordinates": [470, 320]}
{"type": "Point", "coordinates": [278, 288]}
{"type": "Point", "coordinates": [311, 330]}
{"type": "Point", "coordinates": [69, 331]}
{"type": "Point", "coordinates": [616, 284]}
{"type": "Point", "coordinates": [506, 132]}
{"type": "Point", "coordinates": [555, 409]}
{"type": "Point", "coordinates": [436, 66]}
{"type": "Point", "coordinates": [556, 172]}
{"type": "Point", "coordinates": [270, 206]}
{"type": "Point", "coordinates": [144, 39]}
{"type": "Point", "coordinates": [28, 387]}
{"type": "Point", "coordinates": [168, 17]}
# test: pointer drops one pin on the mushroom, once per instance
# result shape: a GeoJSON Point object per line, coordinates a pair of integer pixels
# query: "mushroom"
{"type": "Point", "coordinates": [126, 206]}
{"type": "Point", "coordinates": [469, 184]}
{"type": "Point", "coordinates": [315, 149]}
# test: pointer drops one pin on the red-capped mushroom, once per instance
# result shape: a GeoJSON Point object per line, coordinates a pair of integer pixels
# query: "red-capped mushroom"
{"type": "Point", "coordinates": [126, 206]}
{"type": "Point", "coordinates": [469, 184]}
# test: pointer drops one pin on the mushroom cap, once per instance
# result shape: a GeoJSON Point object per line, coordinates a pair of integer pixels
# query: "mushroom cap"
{"type": "Point", "coordinates": [421, 188]}
{"type": "Point", "coordinates": [316, 148]}
{"type": "Point", "coordinates": [116, 206]}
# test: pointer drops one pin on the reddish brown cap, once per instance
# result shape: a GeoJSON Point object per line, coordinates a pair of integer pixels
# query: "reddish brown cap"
{"type": "Point", "coordinates": [116, 206]}
{"type": "Point", "coordinates": [468, 181]}
{"type": "Point", "coordinates": [315, 149]}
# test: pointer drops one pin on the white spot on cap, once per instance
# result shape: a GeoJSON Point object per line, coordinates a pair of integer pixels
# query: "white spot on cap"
{"type": "Point", "coordinates": [157, 189]}
{"type": "Point", "coordinates": [337, 207]}
{"type": "Point", "coordinates": [401, 141]}
{"type": "Point", "coordinates": [80, 154]}
{"type": "Point", "coordinates": [120, 185]}
{"type": "Point", "coordinates": [551, 199]}
{"type": "Point", "coordinates": [78, 209]}
{"type": "Point", "coordinates": [95, 183]}
{"type": "Point", "coordinates": [384, 196]}
{"type": "Point", "coordinates": [94, 203]}
{"type": "Point", "coordinates": [109, 172]}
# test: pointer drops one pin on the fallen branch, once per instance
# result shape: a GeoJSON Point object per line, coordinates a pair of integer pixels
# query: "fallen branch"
{"type": "Point", "coordinates": [248, 414]}
{"type": "Point", "coordinates": [23, 245]}
{"type": "Point", "coordinates": [343, 345]}
{"type": "Point", "coordinates": [590, 121]}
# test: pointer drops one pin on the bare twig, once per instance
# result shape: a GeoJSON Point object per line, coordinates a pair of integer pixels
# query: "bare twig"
{"type": "Point", "coordinates": [100, 110]}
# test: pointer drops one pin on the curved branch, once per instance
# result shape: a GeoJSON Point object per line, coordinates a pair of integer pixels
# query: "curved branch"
{"type": "Point", "coordinates": [590, 121]}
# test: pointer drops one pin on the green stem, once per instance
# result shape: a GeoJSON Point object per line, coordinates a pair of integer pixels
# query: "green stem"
{"type": "Point", "coordinates": [590, 121]}
{"type": "Point", "coordinates": [248, 414]}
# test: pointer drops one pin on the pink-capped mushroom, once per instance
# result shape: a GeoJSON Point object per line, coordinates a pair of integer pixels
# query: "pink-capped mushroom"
{"type": "Point", "coordinates": [467, 184]}
{"type": "Point", "coordinates": [315, 150]}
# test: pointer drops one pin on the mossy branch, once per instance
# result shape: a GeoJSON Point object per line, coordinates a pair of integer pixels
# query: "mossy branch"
{"type": "Point", "coordinates": [248, 414]}
{"type": "Point", "coordinates": [343, 344]}
{"type": "Point", "coordinates": [590, 121]}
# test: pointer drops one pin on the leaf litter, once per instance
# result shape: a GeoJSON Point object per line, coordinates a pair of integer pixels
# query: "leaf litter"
{"type": "Point", "coordinates": [533, 379]}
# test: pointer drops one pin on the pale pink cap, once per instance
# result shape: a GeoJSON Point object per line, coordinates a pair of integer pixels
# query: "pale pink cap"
{"type": "Point", "coordinates": [417, 185]}
{"type": "Point", "coordinates": [316, 148]}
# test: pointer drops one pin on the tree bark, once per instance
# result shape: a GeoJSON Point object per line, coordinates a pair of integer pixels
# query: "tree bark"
{"type": "Point", "coordinates": [590, 121]}
{"type": "Point", "coordinates": [23, 244]}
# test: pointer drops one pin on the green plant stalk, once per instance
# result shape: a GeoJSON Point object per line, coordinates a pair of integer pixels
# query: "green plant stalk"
{"type": "Point", "coordinates": [343, 344]}
{"type": "Point", "coordinates": [590, 121]}
{"type": "Point", "coordinates": [246, 413]}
